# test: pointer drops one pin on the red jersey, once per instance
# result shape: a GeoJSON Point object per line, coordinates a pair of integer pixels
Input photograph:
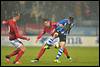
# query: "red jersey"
{"type": "Point", "coordinates": [50, 30]}
{"type": "Point", "coordinates": [13, 33]}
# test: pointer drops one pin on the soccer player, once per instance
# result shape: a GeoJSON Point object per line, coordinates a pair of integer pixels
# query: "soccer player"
{"type": "Point", "coordinates": [63, 29]}
{"type": "Point", "coordinates": [13, 37]}
{"type": "Point", "coordinates": [49, 27]}
{"type": "Point", "coordinates": [54, 40]}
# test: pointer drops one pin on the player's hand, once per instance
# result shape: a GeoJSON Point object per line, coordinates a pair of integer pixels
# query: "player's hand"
{"type": "Point", "coordinates": [36, 41]}
{"type": "Point", "coordinates": [28, 39]}
{"type": "Point", "coordinates": [55, 35]}
{"type": "Point", "coordinates": [4, 22]}
{"type": "Point", "coordinates": [61, 25]}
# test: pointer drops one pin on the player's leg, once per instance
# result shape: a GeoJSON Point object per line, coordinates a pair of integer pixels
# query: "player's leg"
{"type": "Point", "coordinates": [60, 51]}
{"type": "Point", "coordinates": [62, 48]}
{"type": "Point", "coordinates": [39, 55]}
{"type": "Point", "coordinates": [66, 54]}
{"type": "Point", "coordinates": [56, 42]}
{"type": "Point", "coordinates": [19, 55]}
{"type": "Point", "coordinates": [56, 45]}
{"type": "Point", "coordinates": [65, 50]}
{"type": "Point", "coordinates": [41, 52]}
{"type": "Point", "coordinates": [13, 53]}
{"type": "Point", "coordinates": [62, 45]}
{"type": "Point", "coordinates": [19, 45]}
{"type": "Point", "coordinates": [47, 45]}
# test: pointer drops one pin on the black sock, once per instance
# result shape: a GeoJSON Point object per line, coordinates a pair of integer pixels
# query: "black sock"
{"type": "Point", "coordinates": [36, 59]}
{"type": "Point", "coordinates": [14, 62]}
{"type": "Point", "coordinates": [7, 56]}
{"type": "Point", "coordinates": [68, 56]}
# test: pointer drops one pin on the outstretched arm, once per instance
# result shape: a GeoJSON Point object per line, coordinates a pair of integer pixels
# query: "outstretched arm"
{"type": "Point", "coordinates": [40, 35]}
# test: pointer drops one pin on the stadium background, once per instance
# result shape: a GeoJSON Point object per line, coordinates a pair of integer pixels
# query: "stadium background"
{"type": "Point", "coordinates": [85, 13]}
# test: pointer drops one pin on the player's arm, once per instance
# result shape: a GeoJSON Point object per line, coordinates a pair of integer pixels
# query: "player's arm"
{"type": "Point", "coordinates": [40, 35]}
{"type": "Point", "coordinates": [60, 24]}
{"type": "Point", "coordinates": [55, 35]}
{"type": "Point", "coordinates": [17, 33]}
{"type": "Point", "coordinates": [4, 22]}
{"type": "Point", "coordinates": [68, 27]}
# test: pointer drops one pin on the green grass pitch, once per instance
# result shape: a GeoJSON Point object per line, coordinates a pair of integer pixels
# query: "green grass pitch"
{"type": "Point", "coordinates": [81, 56]}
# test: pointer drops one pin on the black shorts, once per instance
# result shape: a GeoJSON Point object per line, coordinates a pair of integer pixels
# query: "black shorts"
{"type": "Point", "coordinates": [62, 37]}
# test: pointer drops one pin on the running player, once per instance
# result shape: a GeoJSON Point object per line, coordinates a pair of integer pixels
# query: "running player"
{"type": "Point", "coordinates": [49, 27]}
{"type": "Point", "coordinates": [13, 37]}
{"type": "Point", "coordinates": [63, 29]}
{"type": "Point", "coordinates": [54, 40]}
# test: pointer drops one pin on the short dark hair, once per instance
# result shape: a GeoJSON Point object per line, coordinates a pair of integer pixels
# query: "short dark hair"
{"type": "Point", "coordinates": [70, 17]}
{"type": "Point", "coordinates": [45, 19]}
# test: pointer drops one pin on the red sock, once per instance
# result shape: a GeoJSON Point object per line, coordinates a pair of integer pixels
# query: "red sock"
{"type": "Point", "coordinates": [14, 53]}
{"type": "Point", "coordinates": [66, 52]}
{"type": "Point", "coordinates": [41, 52]}
{"type": "Point", "coordinates": [20, 53]}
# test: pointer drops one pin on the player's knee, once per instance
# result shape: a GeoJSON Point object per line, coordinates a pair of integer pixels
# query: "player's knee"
{"type": "Point", "coordinates": [23, 48]}
{"type": "Point", "coordinates": [47, 47]}
{"type": "Point", "coordinates": [55, 35]}
{"type": "Point", "coordinates": [43, 45]}
{"type": "Point", "coordinates": [62, 44]}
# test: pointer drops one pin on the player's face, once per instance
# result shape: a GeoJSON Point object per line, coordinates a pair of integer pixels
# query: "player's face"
{"type": "Point", "coordinates": [46, 23]}
{"type": "Point", "coordinates": [17, 17]}
{"type": "Point", "coordinates": [71, 20]}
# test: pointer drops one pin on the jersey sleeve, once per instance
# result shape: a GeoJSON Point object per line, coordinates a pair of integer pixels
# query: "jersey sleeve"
{"type": "Point", "coordinates": [41, 34]}
{"type": "Point", "coordinates": [64, 21]}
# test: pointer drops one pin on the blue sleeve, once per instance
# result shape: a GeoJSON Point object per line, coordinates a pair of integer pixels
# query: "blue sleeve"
{"type": "Point", "coordinates": [63, 21]}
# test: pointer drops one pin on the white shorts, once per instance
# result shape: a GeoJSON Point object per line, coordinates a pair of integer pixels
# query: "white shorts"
{"type": "Point", "coordinates": [16, 43]}
{"type": "Point", "coordinates": [50, 41]}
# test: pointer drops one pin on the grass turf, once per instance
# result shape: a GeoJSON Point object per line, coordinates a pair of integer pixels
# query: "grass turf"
{"type": "Point", "coordinates": [81, 56]}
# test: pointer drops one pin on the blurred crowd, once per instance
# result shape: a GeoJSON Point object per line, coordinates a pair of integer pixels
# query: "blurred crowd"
{"type": "Point", "coordinates": [85, 13]}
